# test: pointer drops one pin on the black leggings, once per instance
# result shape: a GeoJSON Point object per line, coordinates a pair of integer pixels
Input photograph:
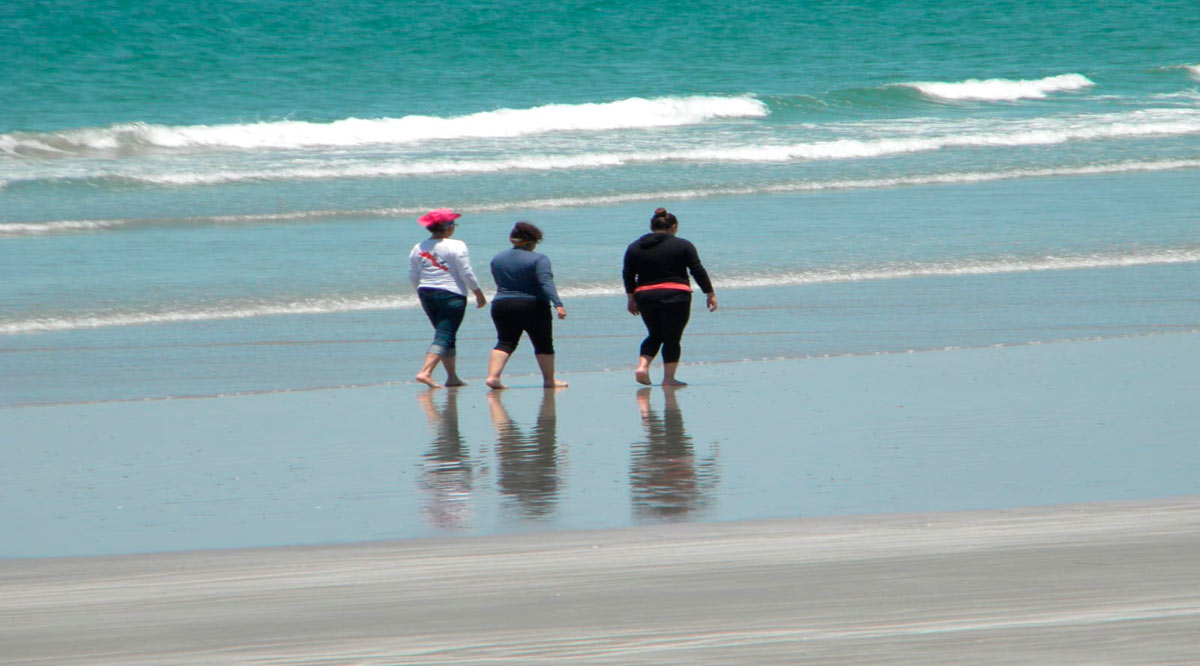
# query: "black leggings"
{"type": "Point", "coordinates": [513, 316]}
{"type": "Point", "coordinates": [665, 313]}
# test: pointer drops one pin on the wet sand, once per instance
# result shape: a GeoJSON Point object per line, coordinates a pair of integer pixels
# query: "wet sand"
{"type": "Point", "coordinates": [955, 430]}
{"type": "Point", "coordinates": [1097, 583]}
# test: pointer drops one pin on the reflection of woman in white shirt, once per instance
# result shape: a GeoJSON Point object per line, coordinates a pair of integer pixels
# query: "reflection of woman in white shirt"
{"type": "Point", "coordinates": [440, 270]}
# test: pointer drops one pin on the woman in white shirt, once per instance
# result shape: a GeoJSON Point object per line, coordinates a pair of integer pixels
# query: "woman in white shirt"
{"type": "Point", "coordinates": [440, 270]}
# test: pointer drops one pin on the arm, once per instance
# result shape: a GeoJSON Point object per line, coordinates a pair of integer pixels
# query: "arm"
{"type": "Point", "coordinates": [545, 278]}
{"type": "Point", "coordinates": [414, 269]}
{"type": "Point", "coordinates": [629, 277]}
{"type": "Point", "coordinates": [701, 276]}
{"type": "Point", "coordinates": [462, 263]}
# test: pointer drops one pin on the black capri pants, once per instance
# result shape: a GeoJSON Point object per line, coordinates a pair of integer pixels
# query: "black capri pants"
{"type": "Point", "coordinates": [513, 316]}
{"type": "Point", "coordinates": [665, 313]}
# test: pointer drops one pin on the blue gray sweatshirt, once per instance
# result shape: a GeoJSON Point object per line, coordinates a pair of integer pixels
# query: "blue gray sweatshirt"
{"type": "Point", "coordinates": [524, 274]}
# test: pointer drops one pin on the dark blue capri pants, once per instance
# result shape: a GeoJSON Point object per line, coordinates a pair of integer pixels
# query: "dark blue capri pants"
{"type": "Point", "coordinates": [445, 310]}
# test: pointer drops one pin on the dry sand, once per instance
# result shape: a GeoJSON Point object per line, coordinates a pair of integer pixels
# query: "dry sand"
{"type": "Point", "coordinates": [1111, 583]}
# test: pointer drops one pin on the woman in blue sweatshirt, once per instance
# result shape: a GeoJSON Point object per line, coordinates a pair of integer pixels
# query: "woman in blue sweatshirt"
{"type": "Point", "coordinates": [524, 293]}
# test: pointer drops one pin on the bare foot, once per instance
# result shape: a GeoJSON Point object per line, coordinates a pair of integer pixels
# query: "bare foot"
{"type": "Point", "coordinates": [494, 384]}
{"type": "Point", "coordinates": [455, 381]}
{"type": "Point", "coordinates": [427, 380]}
{"type": "Point", "coordinates": [642, 376]}
{"type": "Point", "coordinates": [674, 382]}
{"type": "Point", "coordinates": [555, 383]}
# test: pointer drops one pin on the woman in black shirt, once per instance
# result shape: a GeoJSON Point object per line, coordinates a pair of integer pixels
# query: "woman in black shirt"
{"type": "Point", "coordinates": [656, 284]}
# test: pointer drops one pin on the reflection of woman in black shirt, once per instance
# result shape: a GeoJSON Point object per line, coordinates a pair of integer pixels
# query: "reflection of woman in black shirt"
{"type": "Point", "coordinates": [528, 463]}
{"type": "Point", "coordinates": [448, 476]}
{"type": "Point", "coordinates": [666, 479]}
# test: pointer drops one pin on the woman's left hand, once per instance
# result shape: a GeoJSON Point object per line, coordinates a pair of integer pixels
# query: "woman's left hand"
{"type": "Point", "coordinates": [562, 312]}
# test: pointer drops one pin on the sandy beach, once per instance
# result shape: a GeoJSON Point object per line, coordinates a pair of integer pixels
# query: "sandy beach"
{"type": "Point", "coordinates": [1032, 504]}
{"type": "Point", "coordinates": [1098, 583]}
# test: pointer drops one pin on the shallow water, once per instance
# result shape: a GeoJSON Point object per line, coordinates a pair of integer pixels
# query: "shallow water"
{"type": "Point", "coordinates": [931, 431]}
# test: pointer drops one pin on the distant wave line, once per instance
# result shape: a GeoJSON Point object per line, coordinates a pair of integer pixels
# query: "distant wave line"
{"type": "Point", "coordinates": [20, 229]}
{"type": "Point", "coordinates": [631, 113]}
{"type": "Point", "coordinates": [318, 306]}
{"type": "Point", "coordinates": [847, 184]}
{"type": "Point", "coordinates": [15, 229]}
{"type": "Point", "coordinates": [1175, 122]}
{"type": "Point", "coordinates": [1000, 90]}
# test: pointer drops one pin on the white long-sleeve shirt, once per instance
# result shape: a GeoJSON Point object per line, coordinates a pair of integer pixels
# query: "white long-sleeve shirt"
{"type": "Point", "coordinates": [441, 263]}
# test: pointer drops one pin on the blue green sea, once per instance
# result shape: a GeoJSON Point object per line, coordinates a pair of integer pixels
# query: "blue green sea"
{"type": "Point", "coordinates": [206, 199]}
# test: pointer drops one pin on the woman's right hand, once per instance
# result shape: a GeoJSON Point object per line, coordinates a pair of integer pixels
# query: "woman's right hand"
{"type": "Point", "coordinates": [631, 305]}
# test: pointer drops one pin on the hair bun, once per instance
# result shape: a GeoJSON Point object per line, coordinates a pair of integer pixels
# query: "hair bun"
{"type": "Point", "coordinates": [660, 212]}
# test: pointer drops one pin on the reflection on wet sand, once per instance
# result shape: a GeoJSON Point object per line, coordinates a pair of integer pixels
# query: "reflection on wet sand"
{"type": "Point", "coordinates": [448, 475]}
{"type": "Point", "coordinates": [667, 481]}
{"type": "Point", "coordinates": [529, 475]}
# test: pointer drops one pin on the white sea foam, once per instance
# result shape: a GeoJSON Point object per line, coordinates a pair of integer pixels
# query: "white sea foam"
{"type": "Point", "coordinates": [1194, 70]}
{"type": "Point", "coordinates": [825, 276]}
{"type": "Point", "coordinates": [206, 313]}
{"type": "Point", "coordinates": [629, 113]}
{"type": "Point", "coordinates": [387, 169]}
{"type": "Point", "coordinates": [18, 229]}
{"type": "Point", "coordinates": [847, 184]}
{"type": "Point", "coordinates": [9, 229]}
{"type": "Point", "coordinates": [70, 226]}
{"type": "Point", "coordinates": [975, 267]}
{"type": "Point", "coordinates": [1001, 90]}
{"type": "Point", "coordinates": [1145, 123]}
{"type": "Point", "coordinates": [887, 140]}
{"type": "Point", "coordinates": [1157, 122]}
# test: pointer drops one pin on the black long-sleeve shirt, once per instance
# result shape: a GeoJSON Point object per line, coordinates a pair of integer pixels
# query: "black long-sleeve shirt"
{"type": "Point", "coordinates": [659, 257]}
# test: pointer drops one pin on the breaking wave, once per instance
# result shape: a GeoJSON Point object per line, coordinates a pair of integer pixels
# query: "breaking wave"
{"type": "Point", "coordinates": [1001, 90]}
{"type": "Point", "coordinates": [1011, 134]}
{"type": "Point", "coordinates": [631, 113]}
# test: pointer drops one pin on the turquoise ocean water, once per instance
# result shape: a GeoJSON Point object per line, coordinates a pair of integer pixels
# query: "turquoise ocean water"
{"type": "Point", "coordinates": [213, 199]}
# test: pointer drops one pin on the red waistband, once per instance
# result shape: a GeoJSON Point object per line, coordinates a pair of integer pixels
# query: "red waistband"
{"type": "Point", "coordinates": [677, 286]}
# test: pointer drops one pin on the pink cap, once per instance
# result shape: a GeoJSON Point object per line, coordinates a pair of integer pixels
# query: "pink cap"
{"type": "Point", "coordinates": [439, 215]}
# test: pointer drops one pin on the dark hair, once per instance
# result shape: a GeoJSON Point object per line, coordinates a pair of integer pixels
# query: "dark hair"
{"type": "Point", "coordinates": [439, 227]}
{"type": "Point", "coordinates": [525, 232]}
{"type": "Point", "coordinates": [662, 220]}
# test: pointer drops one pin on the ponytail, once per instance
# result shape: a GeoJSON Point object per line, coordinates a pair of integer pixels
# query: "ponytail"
{"type": "Point", "coordinates": [662, 220]}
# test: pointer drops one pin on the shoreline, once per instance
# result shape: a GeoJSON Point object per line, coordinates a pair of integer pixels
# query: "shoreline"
{"type": "Point", "coordinates": [1109, 582]}
{"type": "Point", "coordinates": [476, 381]}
